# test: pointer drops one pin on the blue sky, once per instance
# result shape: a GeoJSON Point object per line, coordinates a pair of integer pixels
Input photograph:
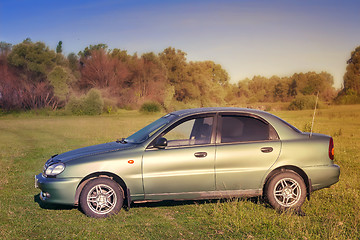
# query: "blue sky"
{"type": "Point", "coordinates": [246, 37]}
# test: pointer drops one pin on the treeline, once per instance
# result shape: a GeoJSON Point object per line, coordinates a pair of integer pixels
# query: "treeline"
{"type": "Point", "coordinates": [33, 76]}
{"type": "Point", "coordinates": [285, 89]}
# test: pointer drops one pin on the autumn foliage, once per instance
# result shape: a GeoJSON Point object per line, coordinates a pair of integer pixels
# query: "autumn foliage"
{"type": "Point", "coordinates": [350, 94]}
{"type": "Point", "coordinates": [19, 89]}
{"type": "Point", "coordinates": [33, 76]}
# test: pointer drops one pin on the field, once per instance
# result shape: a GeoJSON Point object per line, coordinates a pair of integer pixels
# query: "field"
{"type": "Point", "coordinates": [28, 140]}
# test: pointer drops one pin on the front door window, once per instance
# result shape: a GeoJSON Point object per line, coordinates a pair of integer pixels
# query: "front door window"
{"type": "Point", "coordinates": [191, 132]}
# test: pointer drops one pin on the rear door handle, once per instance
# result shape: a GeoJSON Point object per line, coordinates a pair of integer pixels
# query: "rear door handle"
{"type": "Point", "coordinates": [267, 149]}
{"type": "Point", "coordinates": [200, 154]}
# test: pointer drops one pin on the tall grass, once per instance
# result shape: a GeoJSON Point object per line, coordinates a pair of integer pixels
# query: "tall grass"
{"type": "Point", "coordinates": [27, 141]}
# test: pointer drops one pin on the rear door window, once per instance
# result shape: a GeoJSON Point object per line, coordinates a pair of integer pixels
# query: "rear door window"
{"type": "Point", "coordinates": [245, 129]}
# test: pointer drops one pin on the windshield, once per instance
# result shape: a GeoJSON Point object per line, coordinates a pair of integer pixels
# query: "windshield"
{"type": "Point", "coordinates": [145, 133]}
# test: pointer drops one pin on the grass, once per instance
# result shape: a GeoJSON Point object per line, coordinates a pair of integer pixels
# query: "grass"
{"type": "Point", "coordinates": [27, 141]}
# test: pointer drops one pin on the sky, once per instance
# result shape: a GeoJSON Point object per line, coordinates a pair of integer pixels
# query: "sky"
{"type": "Point", "coordinates": [247, 37]}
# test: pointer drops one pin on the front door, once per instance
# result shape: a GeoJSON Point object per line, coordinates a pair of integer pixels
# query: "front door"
{"type": "Point", "coordinates": [185, 168]}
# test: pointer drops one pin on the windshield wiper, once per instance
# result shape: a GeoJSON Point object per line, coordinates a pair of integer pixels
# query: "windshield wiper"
{"type": "Point", "coordinates": [121, 141]}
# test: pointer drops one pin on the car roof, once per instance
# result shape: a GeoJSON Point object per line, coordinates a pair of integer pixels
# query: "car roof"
{"type": "Point", "coordinates": [191, 111]}
{"type": "Point", "coordinates": [283, 129]}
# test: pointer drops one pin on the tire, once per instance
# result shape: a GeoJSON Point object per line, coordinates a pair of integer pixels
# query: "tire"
{"type": "Point", "coordinates": [101, 197]}
{"type": "Point", "coordinates": [286, 191]}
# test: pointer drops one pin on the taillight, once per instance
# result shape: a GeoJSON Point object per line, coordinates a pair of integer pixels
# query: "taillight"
{"type": "Point", "coordinates": [331, 149]}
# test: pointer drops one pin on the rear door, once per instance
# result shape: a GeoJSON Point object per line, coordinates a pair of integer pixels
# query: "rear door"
{"type": "Point", "coordinates": [247, 146]}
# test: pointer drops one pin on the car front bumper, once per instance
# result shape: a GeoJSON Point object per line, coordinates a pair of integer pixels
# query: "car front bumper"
{"type": "Point", "coordinates": [57, 190]}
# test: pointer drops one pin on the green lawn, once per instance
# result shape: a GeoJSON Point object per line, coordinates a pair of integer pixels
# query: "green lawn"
{"type": "Point", "coordinates": [28, 140]}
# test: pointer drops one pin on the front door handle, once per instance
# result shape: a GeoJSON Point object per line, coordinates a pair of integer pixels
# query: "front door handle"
{"type": "Point", "coordinates": [200, 154]}
{"type": "Point", "coordinates": [267, 149]}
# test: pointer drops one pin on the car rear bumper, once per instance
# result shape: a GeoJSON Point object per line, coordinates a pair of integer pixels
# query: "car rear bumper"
{"type": "Point", "coordinates": [323, 176]}
{"type": "Point", "coordinates": [57, 190]}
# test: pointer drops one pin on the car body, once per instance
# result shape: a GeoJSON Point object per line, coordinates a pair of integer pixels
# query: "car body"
{"type": "Point", "coordinates": [199, 153]}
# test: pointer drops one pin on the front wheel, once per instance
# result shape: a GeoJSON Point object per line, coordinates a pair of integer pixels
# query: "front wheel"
{"type": "Point", "coordinates": [286, 190]}
{"type": "Point", "coordinates": [101, 197]}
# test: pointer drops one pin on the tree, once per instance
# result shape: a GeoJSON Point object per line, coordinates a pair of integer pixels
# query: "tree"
{"type": "Point", "coordinates": [259, 89]}
{"type": "Point", "coordinates": [35, 60]}
{"type": "Point", "coordinates": [88, 50]}
{"type": "Point", "coordinates": [319, 82]}
{"type": "Point", "coordinates": [352, 75]}
{"type": "Point", "coordinates": [73, 62]}
{"type": "Point", "coordinates": [5, 48]}
{"type": "Point", "coordinates": [9, 85]}
{"type": "Point", "coordinates": [122, 55]}
{"type": "Point", "coordinates": [102, 71]}
{"type": "Point", "coordinates": [175, 62]}
{"type": "Point", "coordinates": [59, 47]}
{"type": "Point", "coordinates": [311, 83]}
{"type": "Point", "coordinates": [60, 79]}
{"type": "Point", "coordinates": [149, 78]}
{"type": "Point", "coordinates": [176, 68]}
{"type": "Point", "coordinates": [23, 77]}
{"type": "Point", "coordinates": [280, 91]}
{"type": "Point", "coordinates": [206, 83]}
{"type": "Point", "coordinates": [216, 73]}
{"type": "Point", "coordinates": [350, 94]}
{"type": "Point", "coordinates": [293, 91]}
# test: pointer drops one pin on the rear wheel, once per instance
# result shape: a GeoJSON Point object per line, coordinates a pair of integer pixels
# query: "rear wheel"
{"type": "Point", "coordinates": [286, 190]}
{"type": "Point", "coordinates": [101, 197]}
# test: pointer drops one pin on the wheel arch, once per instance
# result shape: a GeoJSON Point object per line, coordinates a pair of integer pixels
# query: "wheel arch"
{"type": "Point", "coordinates": [116, 178]}
{"type": "Point", "coordinates": [295, 169]}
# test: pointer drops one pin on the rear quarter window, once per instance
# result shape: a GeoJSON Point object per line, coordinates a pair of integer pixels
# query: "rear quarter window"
{"type": "Point", "coordinates": [289, 125]}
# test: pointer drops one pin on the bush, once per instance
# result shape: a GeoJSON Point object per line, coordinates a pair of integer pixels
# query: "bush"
{"type": "Point", "coordinates": [348, 97]}
{"type": "Point", "coordinates": [74, 106]}
{"type": "Point", "coordinates": [303, 102]}
{"type": "Point", "coordinates": [150, 107]}
{"type": "Point", "coordinates": [91, 104]}
{"type": "Point", "coordinates": [109, 106]}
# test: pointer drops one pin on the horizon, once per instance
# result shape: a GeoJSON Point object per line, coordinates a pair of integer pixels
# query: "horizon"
{"type": "Point", "coordinates": [248, 38]}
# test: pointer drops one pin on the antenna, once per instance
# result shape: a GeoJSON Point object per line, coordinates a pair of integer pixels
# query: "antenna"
{"type": "Point", "coordinates": [313, 120]}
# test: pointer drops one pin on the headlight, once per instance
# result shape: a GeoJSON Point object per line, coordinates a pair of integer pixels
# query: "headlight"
{"type": "Point", "coordinates": [55, 169]}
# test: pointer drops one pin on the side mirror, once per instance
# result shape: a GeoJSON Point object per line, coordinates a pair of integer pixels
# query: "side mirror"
{"type": "Point", "coordinates": [161, 143]}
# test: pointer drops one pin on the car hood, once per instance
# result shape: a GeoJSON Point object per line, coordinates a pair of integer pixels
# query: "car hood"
{"type": "Point", "coordinates": [92, 150]}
